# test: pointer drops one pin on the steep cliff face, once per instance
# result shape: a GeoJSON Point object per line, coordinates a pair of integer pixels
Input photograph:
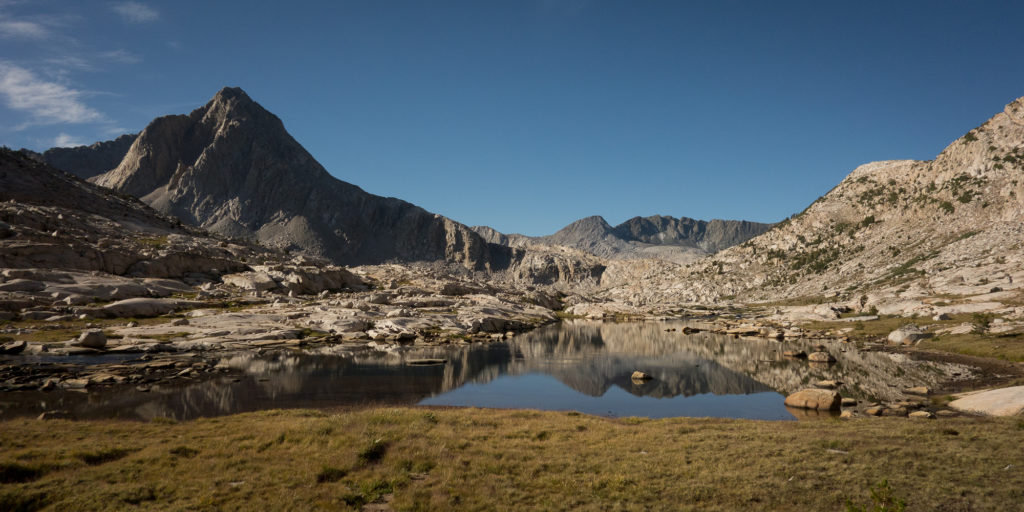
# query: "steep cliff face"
{"type": "Point", "coordinates": [87, 161]}
{"type": "Point", "coordinates": [231, 167]}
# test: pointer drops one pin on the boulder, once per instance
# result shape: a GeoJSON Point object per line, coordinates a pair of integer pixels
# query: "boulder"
{"type": "Point", "coordinates": [906, 335]}
{"type": "Point", "coordinates": [140, 307]}
{"type": "Point", "coordinates": [995, 402]}
{"type": "Point", "coordinates": [22, 285]}
{"type": "Point", "coordinates": [14, 347]}
{"type": "Point", "coordinates": [821, 357]}
{"type": "Point", "coordinates": [251, 281]}
{"type": "Point", "coordinates": [640, 376]}
{"type": "Point", "coordinates": [922, 415]}
{"type": "Point", "coordinates": [918, 390]}
{"type": "Point", "coordinates": [819, 399]}
{"type": "Point", "coordinates": [92, 338]}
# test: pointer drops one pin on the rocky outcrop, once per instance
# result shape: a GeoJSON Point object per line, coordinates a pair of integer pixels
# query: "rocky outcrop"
{"type": "Point", "coordinates": [231, 167]}
{"type": "Point", "coordinates": [87, 161]}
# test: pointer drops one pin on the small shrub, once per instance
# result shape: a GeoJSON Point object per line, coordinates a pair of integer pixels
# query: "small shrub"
{"type": "Point", "coordinates": [947, 207]}
{"type": "Point", "coordinates": [12, 473]}
{"type": "Point", "coordinates": [102, 456]}
{"type": "Point", "coordinates": [329, 474]}
{"type": "Point", "coordinates": [882, 500]}
{"type": "Point", "coordinates": [184, 451]}
{"type": "Point", "coordinates": [373, 452]}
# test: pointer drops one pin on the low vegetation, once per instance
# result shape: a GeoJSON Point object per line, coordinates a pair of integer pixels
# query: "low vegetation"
{"type": "Point", "coordinates": [444, 459]}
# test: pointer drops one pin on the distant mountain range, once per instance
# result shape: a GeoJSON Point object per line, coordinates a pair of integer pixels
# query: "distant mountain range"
{"type": "Point", "coordinates": [232, 168]}
{"type": "Point", "coordinates": [676, 239]}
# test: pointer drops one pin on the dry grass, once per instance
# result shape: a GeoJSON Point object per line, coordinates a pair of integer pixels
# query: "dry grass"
{"type": "Point", "coordinates": [1007, 346]}
{"type": "Point", "coordinates": [56, 332]}
{"type": "Point", "coordinates": [471, 459]}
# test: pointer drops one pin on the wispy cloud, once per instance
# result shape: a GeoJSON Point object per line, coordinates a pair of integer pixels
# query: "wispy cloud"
{"type": "Point", "coordinates": [23, 30]}
{"type": "Point", "coordinates": [135, 12]}
{"type": "Point", "coordinates": [71, 62]}
{"type": "Point", "coordinates": [122, 56]}
{"type": "Point", "coordinates": [46, 102]}
{"type": "Point", "coordinates": [67, 141]}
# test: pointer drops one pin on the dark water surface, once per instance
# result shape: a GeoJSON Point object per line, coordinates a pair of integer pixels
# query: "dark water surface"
{"type": "Point", "coordinates": [582, 366]}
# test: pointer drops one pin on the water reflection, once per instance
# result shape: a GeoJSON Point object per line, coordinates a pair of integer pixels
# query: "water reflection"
{"type": "Point", "coordinates": [577, 365]}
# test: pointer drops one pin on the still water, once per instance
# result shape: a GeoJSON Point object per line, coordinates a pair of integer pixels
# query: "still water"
{"type": "Point", "coordinates": [580, 365]}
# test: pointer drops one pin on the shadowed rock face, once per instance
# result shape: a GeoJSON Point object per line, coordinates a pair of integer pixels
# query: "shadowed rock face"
{"type": "Point", "coordinates": [26, 180]}
{"type": "Point", "coordinates": [231, 167]}
{"type": "Point", "coordinates": [87, 161]}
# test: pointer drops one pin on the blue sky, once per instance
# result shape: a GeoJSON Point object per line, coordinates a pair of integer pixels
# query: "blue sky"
{"type": "Point", "coordinates": [527, 115]}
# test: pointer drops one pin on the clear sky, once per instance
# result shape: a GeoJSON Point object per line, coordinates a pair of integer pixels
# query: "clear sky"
{"type": "Point", "coordinates": [526, 115]}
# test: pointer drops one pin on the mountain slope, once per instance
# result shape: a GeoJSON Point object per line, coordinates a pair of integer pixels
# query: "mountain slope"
{"type": "Point", "coordinates": [231, 167]}
{"type": "Point", "coordinates": [87, 161]}
{"type": "Point", "coordinates": [51, 219]}
{"type": "Point", "coordinates": [902, 234]}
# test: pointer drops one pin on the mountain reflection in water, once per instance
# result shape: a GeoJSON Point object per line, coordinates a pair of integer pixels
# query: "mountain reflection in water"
{"type": "Point", "coordinates": [577, 365]}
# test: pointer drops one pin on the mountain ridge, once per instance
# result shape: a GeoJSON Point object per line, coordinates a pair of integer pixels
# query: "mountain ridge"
{"type": "Point", "coordinates": [675, 239]}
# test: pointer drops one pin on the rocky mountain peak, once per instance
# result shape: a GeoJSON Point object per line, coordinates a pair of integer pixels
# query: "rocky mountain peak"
{"type": "Point", "coordinates": [232, 168]}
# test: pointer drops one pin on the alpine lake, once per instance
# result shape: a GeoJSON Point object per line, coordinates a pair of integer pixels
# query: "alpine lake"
{"type": "Point", "coordinates": [574, 365]}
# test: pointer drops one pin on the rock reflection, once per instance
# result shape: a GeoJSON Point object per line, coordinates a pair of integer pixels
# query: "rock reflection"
{"type": "Point", "coordinates": [586, 356]}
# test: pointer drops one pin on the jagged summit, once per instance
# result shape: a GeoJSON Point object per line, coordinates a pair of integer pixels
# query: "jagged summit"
{"type": "Point", "coordinates": [231, 167]}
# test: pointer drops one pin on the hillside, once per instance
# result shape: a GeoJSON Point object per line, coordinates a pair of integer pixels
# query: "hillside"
{"type": "Point", "coordinates": [906, 236]}
{"type": "Point", "coordinates": [50, 219]}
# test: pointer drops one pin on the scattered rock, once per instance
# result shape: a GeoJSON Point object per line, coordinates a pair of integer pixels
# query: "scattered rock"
{"type": "Point", "coordinates": [14, 347]}
{"type": "Point", "coordinates": [874, 410]}
{"type": "Point", "coordinates": [93, 338]}
{"type": "Point", "coordinates": [906, 335]}
{"type": "Point", "coordinates": [821, 357]}
{"type": "Point", "coordinates": [179, 321]}
{"type": "Point", "coordinates": [820, 399]}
